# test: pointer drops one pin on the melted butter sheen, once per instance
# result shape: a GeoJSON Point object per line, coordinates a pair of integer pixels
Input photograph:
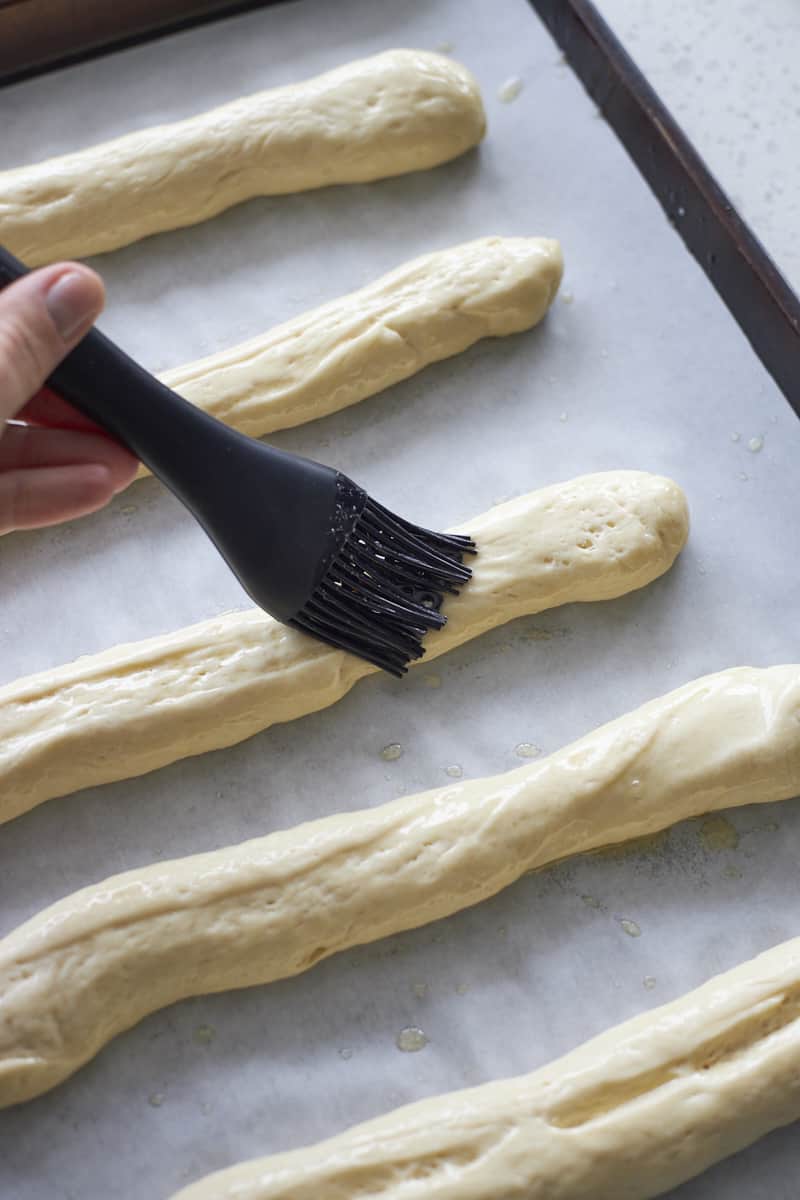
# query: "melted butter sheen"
{"type": "Point", "coordinates": [412, 110]}
{"type": "Point", "coordinates": [97, 962]}
{"type": "Point", "coordinates": [632, 1113]}
{"type": "Point", "coordinates": [137, 707]}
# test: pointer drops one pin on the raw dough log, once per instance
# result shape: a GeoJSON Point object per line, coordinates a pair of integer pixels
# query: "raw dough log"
{"type": "Point", "coordinates": [627, 1116]}
{"type": "Point", "coordinates": [97, 962]}
{"type": "Point", "coordinates": [400, 111]}
{"type": "Point", "coordinates": [131, 709]}
{"type": "Point", "coordinates": [337, 355]}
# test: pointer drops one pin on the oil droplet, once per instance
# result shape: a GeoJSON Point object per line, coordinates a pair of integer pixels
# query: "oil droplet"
{"type": "Point", "coordinates": [649, 982]}
{"type": "Point", "coordinates": [526, 750]}
{"type": "Point", "coordinates": [346, 1053]}
{"type": "Point", "coordinates": [391, 752]}
{"type": "Point", "coordinates": [629, 927]}
{"type": "Point", "coordinates": [755, 444]}
{"type": "Point", "coordinates": [432, 681]}
{"type": "Point", "coordinates": [736, 437]}
{"type": "Point", "coordinates": [508, 91]}
{"type": "Point", "coordinates": [411, 1039]}
{"type": "Point", "coordinates": [420, 990]}
{"type": "Point", "coordinates": [648, 843]}
{"type": "Point", "coordinates": [536, 634]}
{"type": "Point", "coordinates": [717, 833]}
{"type": "Point", "coordinates": [590, 901]}
{"type": "Point", "coordinates": [156, 1099]}
{"type": "Point", "coordinates": [462, 989]}
{"type": "Point", "coordinates": [567, 297]}
{"type": "Point", "coordinates": [563, 416]}
{"type": "Point", "coordinates": [743, 476]}
{"type": "Point", "coordinates": [204, 1035]}
{"type": "Point", "coordinates": [604, 353]}
{"type": "Point", "coordinates": [454, 771]}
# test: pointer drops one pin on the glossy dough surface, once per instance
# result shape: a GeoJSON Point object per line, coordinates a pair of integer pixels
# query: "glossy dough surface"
{"type": "Point", "coordinates": [400, 111]}
{"type": "Point", "coordinates": [97, 962]}
{"type": "Point", "coordinates": [627, 1116]}
{"type": "Point", "coordinates": [336, 355]}
{"type": "Point", "coordinates": [140, 706]}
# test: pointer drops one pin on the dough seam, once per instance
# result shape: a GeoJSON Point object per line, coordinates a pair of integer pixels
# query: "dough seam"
{"type": "Point", "coordinates": [337, 354]}
{"type": "Point", "coordinates": [427, 110]}
{"type": "Point", "coordinates": [138, 707]}
{"type": "Point", "coordinates": [679, 1088]}
{"type": "Point", "coordinates": [98, 961]}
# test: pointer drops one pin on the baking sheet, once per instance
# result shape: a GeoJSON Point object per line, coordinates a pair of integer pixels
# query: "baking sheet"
{"type": "Point", "coordinates": [638, 365]}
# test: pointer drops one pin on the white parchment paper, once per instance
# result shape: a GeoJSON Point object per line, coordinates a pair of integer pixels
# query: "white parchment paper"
{"type": "Point", "coordinates": [639, 365]}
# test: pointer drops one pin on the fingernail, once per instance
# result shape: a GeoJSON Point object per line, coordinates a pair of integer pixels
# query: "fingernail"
{"type": "Point", "coordinates": [72, 303]}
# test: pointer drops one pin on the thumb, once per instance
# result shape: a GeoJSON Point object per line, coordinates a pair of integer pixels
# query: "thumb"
{"type": "Point", "coordinates": [42, 317]}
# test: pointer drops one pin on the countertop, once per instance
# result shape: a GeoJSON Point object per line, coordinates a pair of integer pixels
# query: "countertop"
{"type": "Point", "coordinates": [728, 70]}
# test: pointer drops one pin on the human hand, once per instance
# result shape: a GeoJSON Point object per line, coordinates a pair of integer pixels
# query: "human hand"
{"type": "Point", "coordinates": [57, 464]}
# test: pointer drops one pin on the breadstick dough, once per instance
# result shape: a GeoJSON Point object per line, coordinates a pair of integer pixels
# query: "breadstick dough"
{"type": "Point", "coordinates": [137, 707]}
{"type": "Point", "coordinates": [98, 962]}
{"type": "Point", "coordinates": [627, 1116]}
{"type": "Point", "coordinates": [400, 111]}
{"type": "Point", "coordinates": [337, 355]}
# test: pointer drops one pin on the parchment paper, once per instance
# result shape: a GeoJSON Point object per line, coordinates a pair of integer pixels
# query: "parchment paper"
{"type": "Point", "coordinates": [639, 365]}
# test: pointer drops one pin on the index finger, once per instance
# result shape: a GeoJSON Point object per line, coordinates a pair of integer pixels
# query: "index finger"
{"type": "Point", "coordinates": [48, 408]}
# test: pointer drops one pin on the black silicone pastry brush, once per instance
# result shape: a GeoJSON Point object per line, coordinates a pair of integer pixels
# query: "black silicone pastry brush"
{"type": "Point", "coordinates": [308, 545]}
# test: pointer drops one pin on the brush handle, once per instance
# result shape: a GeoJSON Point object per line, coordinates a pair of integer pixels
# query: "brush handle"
{"type": "Point", "coordinates": [269, 513]}
{"type": "Point", "coordinates": [161, 428]}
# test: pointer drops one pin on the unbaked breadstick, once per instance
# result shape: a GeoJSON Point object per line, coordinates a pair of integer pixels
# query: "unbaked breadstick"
{"type": "Point", "coordinates": [137, 707]}
{"type": "Point", "coordinates": [400, 111]}
{"type": "Point", "coordinates": [627, 1116]}
{"type": "Point", "coordinates": [101, 960]}
{"type": "Point", "coordinates": [336, 355]}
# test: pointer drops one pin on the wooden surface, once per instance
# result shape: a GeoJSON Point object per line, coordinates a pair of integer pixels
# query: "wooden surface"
{"type": "Point", "coordinates": [36, 34]}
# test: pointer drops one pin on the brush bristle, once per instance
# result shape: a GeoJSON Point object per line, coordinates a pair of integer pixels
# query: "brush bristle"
{"type": "Point", "coordinates": [381, 593]}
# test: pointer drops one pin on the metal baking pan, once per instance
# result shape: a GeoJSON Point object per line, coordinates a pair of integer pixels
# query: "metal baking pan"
{"type": "Point", "coordinates": [639, 364]}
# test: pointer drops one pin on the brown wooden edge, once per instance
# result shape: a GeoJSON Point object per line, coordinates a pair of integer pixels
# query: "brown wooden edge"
{"type": "Point", "coordinates": [752, 287]}
{"type": "Point", "coordinates": [41, 35]}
